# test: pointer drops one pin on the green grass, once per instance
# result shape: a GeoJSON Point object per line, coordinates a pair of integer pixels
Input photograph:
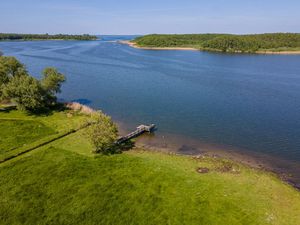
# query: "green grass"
{"type": "Point", "coordinates": [55, 186]}
{"type": "Point", "coordinates": [63, 183]}
{"type": "Point", "coordinates": [16, 133]}
{"type": "Point", "coordinates": [20, 131]}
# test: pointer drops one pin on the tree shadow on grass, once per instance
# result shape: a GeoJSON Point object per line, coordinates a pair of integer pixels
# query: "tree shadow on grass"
{"type": "Point", "coordinates": [58, 107]}
{"type": "Point", "coordinates": [7, 109]}
{"type": "Point", "coordinates": [127, 145]}
{"type": "Point", "coordinates": [118, 148]}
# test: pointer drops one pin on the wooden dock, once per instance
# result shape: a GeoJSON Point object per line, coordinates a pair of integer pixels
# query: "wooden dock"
{"type": "Point", "coordinates": [139, 130]}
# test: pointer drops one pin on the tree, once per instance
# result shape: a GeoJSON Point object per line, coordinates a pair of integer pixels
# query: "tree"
{"type": "Point", "coordinates": [103, 133]}
{"type": "Point", "coordinates": [26, 92]}
{"type": "Point", "coordinates": [52, 80]}
{"type": "Point", "coordinates": [9, 67]}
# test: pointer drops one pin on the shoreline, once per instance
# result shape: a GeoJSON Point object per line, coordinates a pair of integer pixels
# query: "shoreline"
{"type": "Point", "coordinates": [260, 52]}
{"type": "Point", "coordinates": [50, 39]}
{"type": "Point", "coordinates": [287, 171]}
{"type": "Point", "coordinates": [264, 163]}
{"type": "Point", "coordinates": [134, 45]}
{"type": "Point", "coordinates": [283, 169]}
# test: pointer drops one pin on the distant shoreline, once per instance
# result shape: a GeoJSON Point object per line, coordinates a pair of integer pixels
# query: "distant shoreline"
{"type": "Point", "coordinates": [20, 40]}
{"type": "Point", "coordinates": [278, 53]}
{"type": "Point", "coordinates": [33, 37]}
{"type": "Point", "coordinates": [134, 45]}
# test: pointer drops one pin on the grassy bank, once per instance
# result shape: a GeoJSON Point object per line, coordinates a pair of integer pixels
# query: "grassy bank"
{"type": "Point", "coordinates": [64, 183]}
{"type": "Point", "coordinates": [20, 131]}
{"type": "Point", "coordinates": [256, 43]}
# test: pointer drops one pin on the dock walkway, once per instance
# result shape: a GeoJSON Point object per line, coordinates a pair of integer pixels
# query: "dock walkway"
{"type": "Point", "coordinates": [139, 130]}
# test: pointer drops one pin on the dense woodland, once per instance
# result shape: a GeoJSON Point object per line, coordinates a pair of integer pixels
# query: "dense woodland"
{"type": "Point", "coordinates": [225, 42]}
{"type": "Point", "coordinates": [6, 36]}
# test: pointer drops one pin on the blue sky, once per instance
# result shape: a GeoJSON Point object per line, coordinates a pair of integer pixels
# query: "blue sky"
{"type": "Point", "coordinates": [155, 16]}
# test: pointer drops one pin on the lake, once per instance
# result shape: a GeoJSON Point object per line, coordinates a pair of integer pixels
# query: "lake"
{"type": "Point", "coordinates": [243, 101]}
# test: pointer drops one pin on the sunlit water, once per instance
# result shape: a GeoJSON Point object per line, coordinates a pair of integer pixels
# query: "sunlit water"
{"type": "Point", "coordinates": [249, 102]}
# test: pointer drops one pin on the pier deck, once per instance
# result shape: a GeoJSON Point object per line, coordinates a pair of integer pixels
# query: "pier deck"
{"type": "Point", "coordinates": [139, 130]}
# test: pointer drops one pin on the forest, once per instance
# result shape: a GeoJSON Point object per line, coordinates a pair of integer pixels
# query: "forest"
{"type": "Point", "coordinates": [225, 42]}
{"type": "Point", "coordinates": [11, 36]}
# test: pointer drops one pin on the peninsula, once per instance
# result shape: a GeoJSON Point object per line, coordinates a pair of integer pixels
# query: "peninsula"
{"type": "Point", "coordinates": [271, 43]}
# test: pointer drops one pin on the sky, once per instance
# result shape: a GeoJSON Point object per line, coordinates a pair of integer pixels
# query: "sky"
{"type": "Point", "coordinates": [147, 17]}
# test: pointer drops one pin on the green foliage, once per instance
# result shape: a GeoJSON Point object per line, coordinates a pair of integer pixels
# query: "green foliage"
{"type": "Point", "coordinates": [10, 67]}
{"type": "Point", "coordinates": [169, 40]}
{"type": "Point", "coordinates": [10, 36]}
{"type": "Point", "coordinates": [225, 42]}
{"type": "Point", "coordinates": [253, 43]}
{"type": "Point", "coordinates": [102, 133]}
{"type": "Point", "coordinates": [52, 80]}
{"type": "Point", "coordinates": [26, 91]}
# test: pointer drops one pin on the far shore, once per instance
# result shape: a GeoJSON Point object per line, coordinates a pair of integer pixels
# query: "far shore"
{"type": "Point", "coordinates": [279, 53]}
{"type": "Point", "coordinates": [50, 39]}
{"type": "Point", "coordinates": [134, 45]}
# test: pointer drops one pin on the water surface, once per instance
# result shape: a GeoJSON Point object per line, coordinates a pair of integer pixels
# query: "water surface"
{"type": "Point", "coordinates": [249, 102]}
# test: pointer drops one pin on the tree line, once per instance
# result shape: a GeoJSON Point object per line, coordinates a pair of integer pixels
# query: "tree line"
{"type": "Point", "coordinates": [11, 36]}
{"type": "Point", "coordinates": [225, 42]}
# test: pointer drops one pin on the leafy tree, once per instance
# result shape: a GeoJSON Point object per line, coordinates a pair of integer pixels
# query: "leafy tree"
{"type": "Point", "coordinates": [26, 92]}
{"type": "Point", "coordinates": [9, 67]}
{"type": "Point", "coordinates": [102, 133]}
{"type": "Point", "coordinates": [52, 80]}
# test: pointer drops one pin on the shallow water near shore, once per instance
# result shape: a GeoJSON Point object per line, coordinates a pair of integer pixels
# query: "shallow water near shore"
{"type": "Point", "coordinates": [245, 102]}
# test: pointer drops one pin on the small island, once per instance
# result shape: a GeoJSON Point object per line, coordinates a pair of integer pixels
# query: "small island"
{"type": "Point", "coordinates": [32, 37]}
{"type": "Point", "coordinates": [271, 43]}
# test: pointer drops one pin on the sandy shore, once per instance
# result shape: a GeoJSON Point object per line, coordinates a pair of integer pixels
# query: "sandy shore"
{"type": "Point", "coordinates": [279, 53]}
{"type": "Point", "coordinates": [134, 45]}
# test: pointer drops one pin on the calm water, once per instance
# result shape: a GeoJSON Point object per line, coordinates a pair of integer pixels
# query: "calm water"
{"type": "Point", "coordinates": [250, 102]}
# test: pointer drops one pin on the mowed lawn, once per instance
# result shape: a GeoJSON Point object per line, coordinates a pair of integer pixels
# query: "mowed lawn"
{"type": "Point", "coordinates": [16, 133]}
{"type": "Point", "coordinates": [63, 183]}
{"type": "Point", "coordinates": [20, 131]}
{"type": "Point", "coordinates": [57, 186]}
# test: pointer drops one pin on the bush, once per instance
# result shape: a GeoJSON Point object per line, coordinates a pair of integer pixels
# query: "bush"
{"type": "Point", "coordinates": [102, 133]}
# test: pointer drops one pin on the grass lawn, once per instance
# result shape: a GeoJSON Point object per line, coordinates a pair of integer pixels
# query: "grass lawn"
{"type": "Point", "coordinates": [16, 133]}
{"type": "Point", "coordinates": [20, 131]}
{"type": "Point", "coordinates": [63, 183]}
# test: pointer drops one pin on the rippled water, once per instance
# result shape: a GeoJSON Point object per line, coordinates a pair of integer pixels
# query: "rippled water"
{"type": "Point", "coordinates": [250, 102]}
